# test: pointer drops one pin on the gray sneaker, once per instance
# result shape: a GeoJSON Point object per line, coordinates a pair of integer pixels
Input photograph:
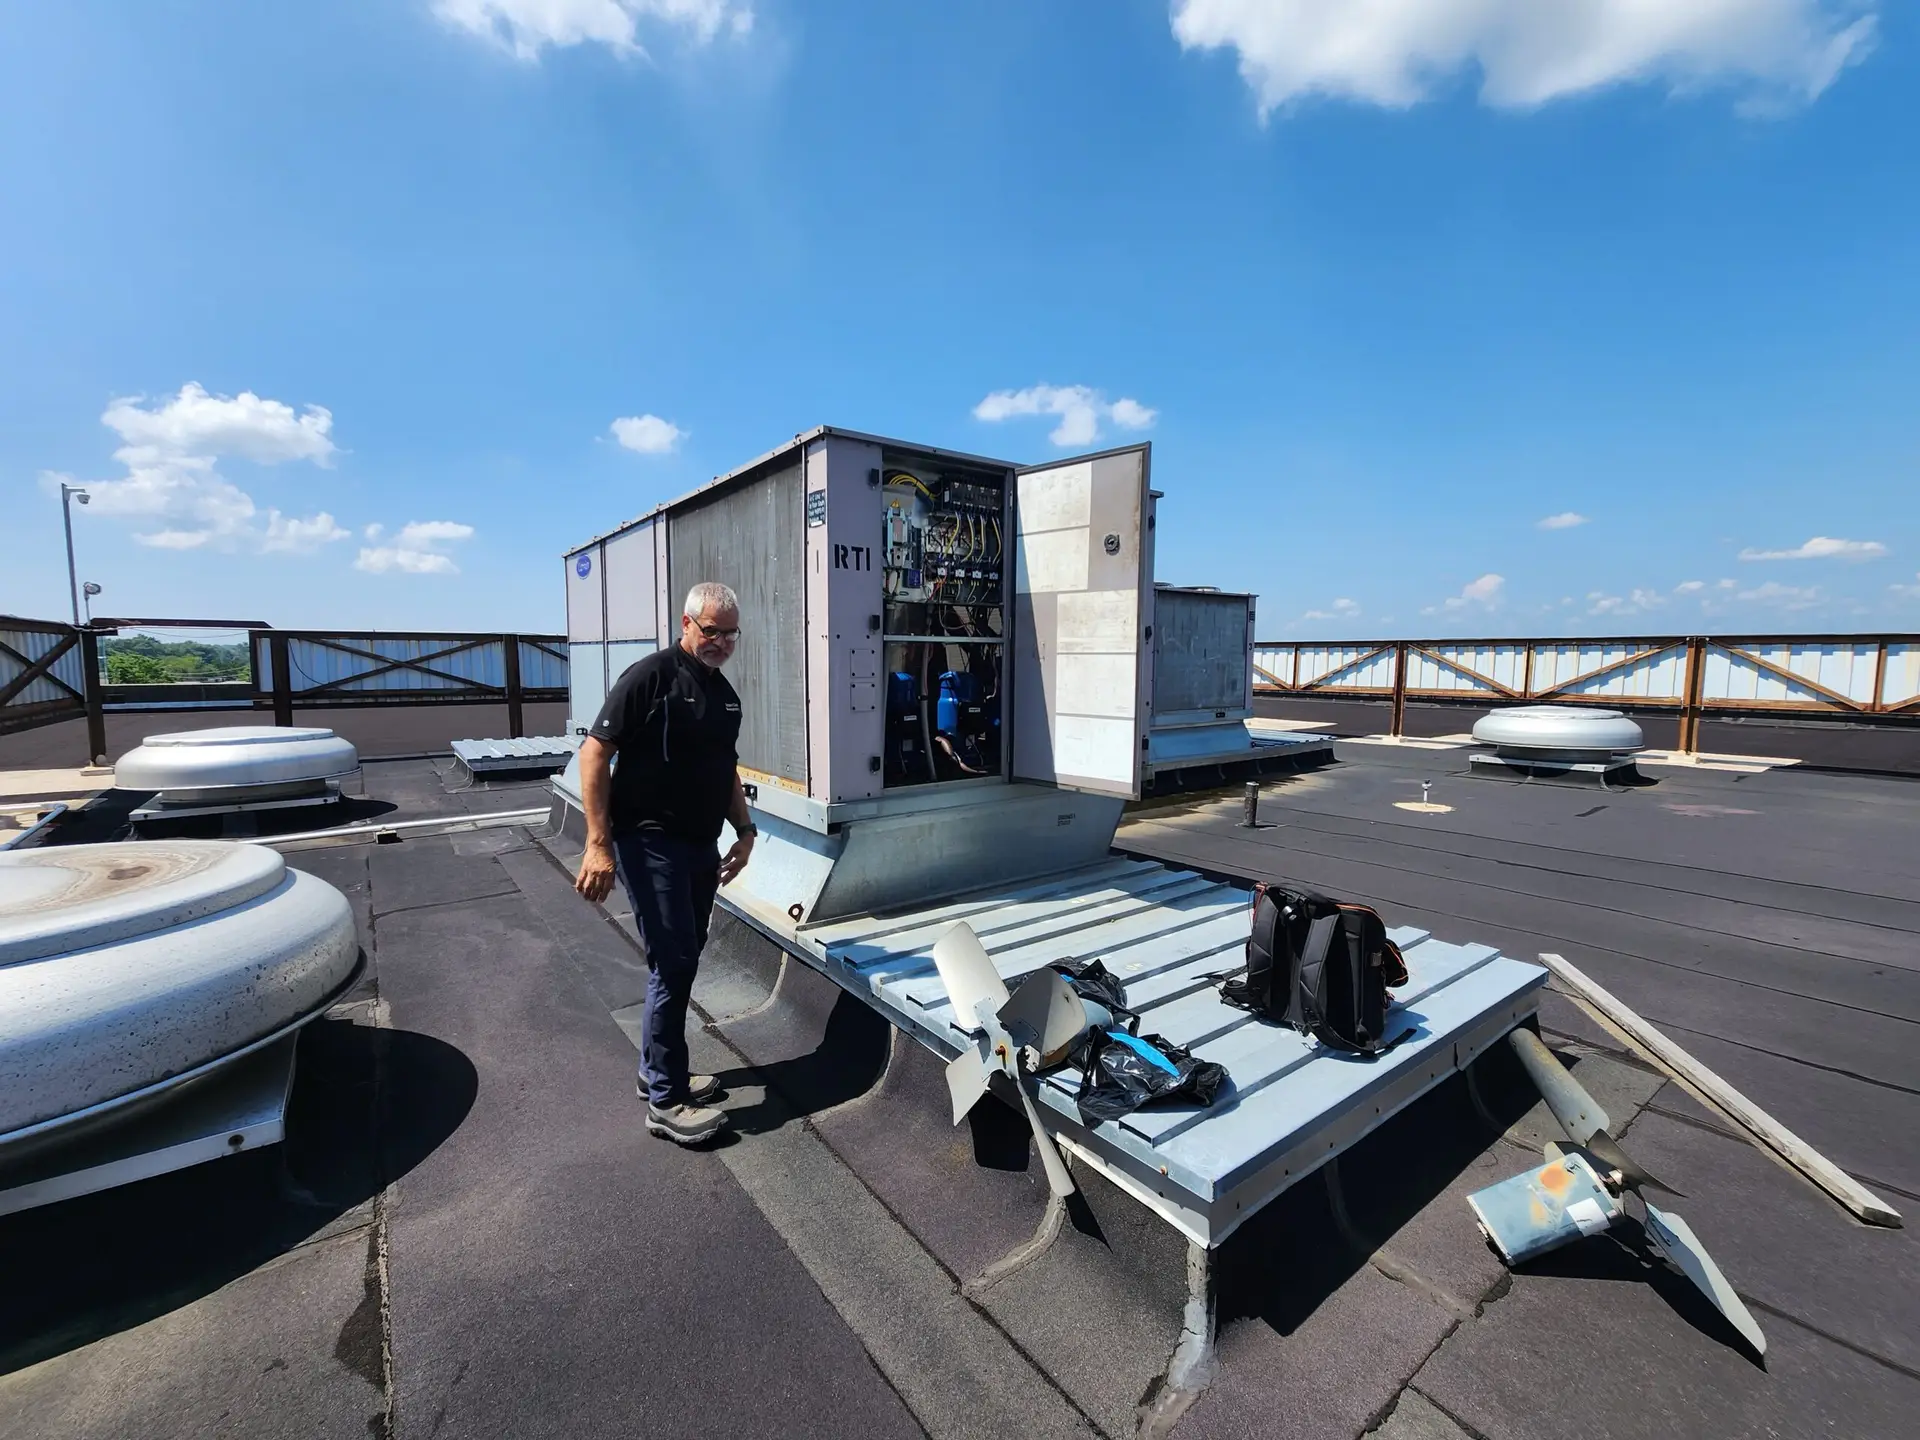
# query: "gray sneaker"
{"type": "Point", "coordinates": [685, 1124]}
{"type": "Point", "coordinates": [701, 1089]}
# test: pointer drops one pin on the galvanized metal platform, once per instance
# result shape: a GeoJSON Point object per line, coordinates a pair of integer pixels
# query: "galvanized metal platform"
{"type": "Point", "coordinates": [1229, 743]}
{"type": "Point", "coordinates": [531, 755]}
{"type": "Point", "coordinates": [1167, 932]}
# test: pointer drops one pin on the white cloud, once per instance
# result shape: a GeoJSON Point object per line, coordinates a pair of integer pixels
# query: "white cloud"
{"type": "Point", "coordinates": [1080, 408]}
{"type": "Point", "coordinates": [526, 27]}
{"type": "Point", "coordinates": [1689, 587]}
{"type": "Point", "coordinates": [302, 537]}
{"type": "Point", "coordinates": [1565, 520]}
{"type": "Point", "coordinates": [1635, 602]}
{"type": "Point", "coordinates": [1397, 53]}
{"type": "Point", "coordinates": [375, 530]}
{"type": "Point", "coordinates": [1341, 609]}
{"type": "Point", "coordinates": [419, 549]}
{"type": "Point", "coordinates": [1484, 592]}
{"type": "Point", "coordinates": [196, 423]}
{"type": "Point", "coordinates": [172, 449]}
{"type": "Point", "coordinates": [1911, 592]}
{"type": "Point", "coordinates": [1783, 597]}
{"type": "Point", "coordinates": [175, 539]}
{"type": "Point", "coordinates": [648, 434]}
{"type": "Point", "coordinates": [1822, 547]}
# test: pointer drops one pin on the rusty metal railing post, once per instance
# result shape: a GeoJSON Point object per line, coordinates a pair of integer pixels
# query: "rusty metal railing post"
{"type": "Point", "coordinates": [96, 700]}
{"type": "Point", "coordinates": [1878, 703]}
{"type": "Point", "coordinates": [1691, 687]}
{"type": "Point", "coordinates": [277, 649]}
{"type": "Point", "coordinates": [1399, 687]}
{"type": "Point", "coordinates": [516, 725]}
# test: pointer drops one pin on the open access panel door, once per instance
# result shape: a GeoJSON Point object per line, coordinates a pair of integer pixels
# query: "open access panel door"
{"type": "Point", "coordinates": [1081, 618]}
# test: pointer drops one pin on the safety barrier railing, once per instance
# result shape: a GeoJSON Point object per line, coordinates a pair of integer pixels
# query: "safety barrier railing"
{"type": "Point", "coordinates": [43, 670]}
{"type": "Point", "coordinates": [1841, 677]}
{"type": "Point", "coordinates": [301, 669]}
{"type": "Point", "coordinates": [50, 671]}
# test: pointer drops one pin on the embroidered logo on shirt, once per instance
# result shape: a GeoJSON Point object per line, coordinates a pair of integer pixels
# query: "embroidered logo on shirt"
{"type": "Point", "coordinates": [733, 707]}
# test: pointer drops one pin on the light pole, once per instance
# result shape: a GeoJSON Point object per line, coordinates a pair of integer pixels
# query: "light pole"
{"type": "Point", "coordinates": [87, 592]}
{"type": "Point", "coordinates": [69, 493]}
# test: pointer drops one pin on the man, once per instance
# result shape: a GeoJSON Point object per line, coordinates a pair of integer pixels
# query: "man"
{"type": "Point", "coordinates": [674, 721]}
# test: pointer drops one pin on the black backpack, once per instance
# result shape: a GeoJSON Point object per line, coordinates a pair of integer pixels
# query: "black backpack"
{"type": "Point", "coordinates": [1320, 966]}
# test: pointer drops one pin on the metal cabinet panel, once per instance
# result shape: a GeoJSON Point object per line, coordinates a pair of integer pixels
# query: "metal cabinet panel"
{"type": "Point", "coordinates": [586, 602]}
{"type": "Point", "coordinates": [632, 596]}
{"type": "Point", "coordinates": [1083, 579]}
{"type": "Point", "coordinates": [751, 536]}
{"type": "Point", "coordinates": [1203, 654]}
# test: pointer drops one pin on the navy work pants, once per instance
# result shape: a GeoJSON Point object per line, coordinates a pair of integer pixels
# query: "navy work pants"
{"type": "Point", "coordinates": [671, 883]}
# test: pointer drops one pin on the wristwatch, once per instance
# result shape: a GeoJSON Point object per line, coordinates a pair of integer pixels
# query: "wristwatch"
{"type": "Point", "coordinates": [746, 831]}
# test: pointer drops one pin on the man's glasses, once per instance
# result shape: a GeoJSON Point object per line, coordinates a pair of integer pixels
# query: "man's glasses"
{"type": "Point", "coordinates": [715, 632]}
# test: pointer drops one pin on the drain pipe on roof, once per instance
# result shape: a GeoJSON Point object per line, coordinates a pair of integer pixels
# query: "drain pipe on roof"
{"type": "Point", "coordinates": [374, 831]}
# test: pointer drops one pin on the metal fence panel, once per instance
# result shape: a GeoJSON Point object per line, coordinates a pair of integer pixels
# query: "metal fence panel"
{"type": "Point", "coordinates": [1344, 667]}
{"type": "Point", "coordinates": [1273, 666]}
{"type": "Point", "coordinates": [1900, 685]}
{"type": "Point", "coordinates": [1766, 673]}
{"type": "Point", "coordinates": [22, 645]}
{"type": "Point", "coordinates": [365, 664]}
{"type": "Point", "coordinates": [1843, 675]}
{"type": "Point", "coordinates": [1614, 670]}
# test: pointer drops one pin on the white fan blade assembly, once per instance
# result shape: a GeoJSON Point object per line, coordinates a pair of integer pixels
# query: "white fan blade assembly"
{"type": "Point", "coordinates": [1019, 1033]}
{"type": "Point", "coordinates": [1539, 1211]}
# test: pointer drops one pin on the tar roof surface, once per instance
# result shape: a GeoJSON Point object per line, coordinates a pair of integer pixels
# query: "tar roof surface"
{"type": "Point", "coordinates": [470, 1234]}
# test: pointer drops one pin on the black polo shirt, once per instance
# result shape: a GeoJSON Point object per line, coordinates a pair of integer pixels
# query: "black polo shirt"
{"type": "Point", "coordinates": [676, 726]}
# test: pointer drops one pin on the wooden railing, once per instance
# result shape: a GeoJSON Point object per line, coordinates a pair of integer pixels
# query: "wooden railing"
{"type": "Point", "coordinates": [1839, 677]}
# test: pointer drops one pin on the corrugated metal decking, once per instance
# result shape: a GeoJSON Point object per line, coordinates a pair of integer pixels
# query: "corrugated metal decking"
{"type": "Point", "coordinates": [1167, 933]}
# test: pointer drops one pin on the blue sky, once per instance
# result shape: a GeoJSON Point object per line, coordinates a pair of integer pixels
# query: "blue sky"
{"type": "Point", "coordinates": [1385, 296]}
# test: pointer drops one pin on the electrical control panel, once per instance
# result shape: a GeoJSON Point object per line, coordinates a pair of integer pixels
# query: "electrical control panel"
{"type": "Point", "coordinates": [943, 552]}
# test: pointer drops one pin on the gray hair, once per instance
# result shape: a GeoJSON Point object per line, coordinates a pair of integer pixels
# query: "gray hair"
{"type": "Point", "coordinates": [709, 597]}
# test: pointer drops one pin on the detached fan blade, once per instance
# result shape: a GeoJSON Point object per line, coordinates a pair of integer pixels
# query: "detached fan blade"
{"type": "Point", "coordinates": [1676, 1243]}
{"type": "Point", "coordinates": [967, 1076]}
{"type": "Point", "coordinates": [967, 971]}
{"type": "Point", "coordinates": [1058, 1180]}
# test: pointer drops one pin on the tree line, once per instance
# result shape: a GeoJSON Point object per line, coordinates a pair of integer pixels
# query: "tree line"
{"type": "Point", "coordinates": [143, 660]}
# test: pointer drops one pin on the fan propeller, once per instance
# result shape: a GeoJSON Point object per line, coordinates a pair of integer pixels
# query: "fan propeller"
{"type": "Point", "coordinates": [1579, 1192]}
{"type": "Point", "coordinates": [1017, 1035]}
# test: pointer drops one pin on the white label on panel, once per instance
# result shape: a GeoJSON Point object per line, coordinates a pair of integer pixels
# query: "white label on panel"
{"type": "Point", "coordinates": [1098, 621]}
{"type": "Point", "coordinates": [1093, 749]}
{"type": "Point", "coordinates": [1587, 1214]}
{"type": "Point", "coordinates": [1054, 561]}
{"type": "Point", "coordinates": [1095, 685]}
{"type": "Point", "coordinates": [1056, 499]}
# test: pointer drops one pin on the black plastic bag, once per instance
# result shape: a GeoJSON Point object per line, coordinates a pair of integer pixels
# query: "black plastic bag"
{"type": "Point", "coordinates": [1093, 981]}
{"type": "Point", "coordinates": [1122, 1072]}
